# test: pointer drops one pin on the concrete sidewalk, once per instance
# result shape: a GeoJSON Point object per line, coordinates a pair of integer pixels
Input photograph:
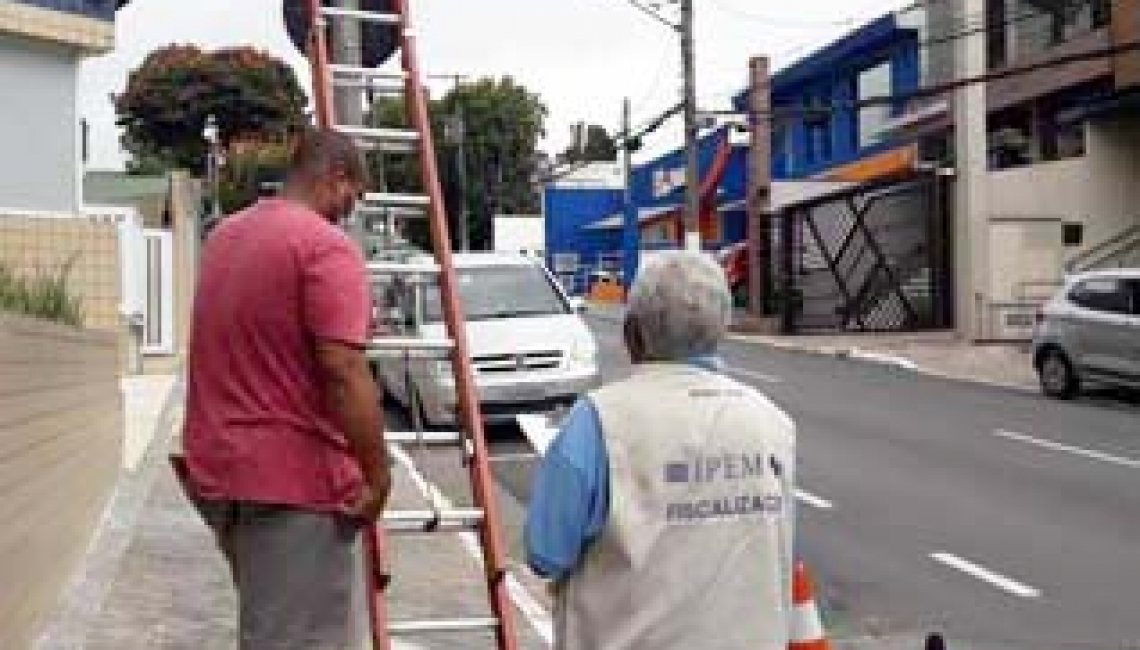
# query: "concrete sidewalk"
{"type": "Point", "coordinates": [940, 354]}
{"type": "Point", "coordinates": [154, 579]}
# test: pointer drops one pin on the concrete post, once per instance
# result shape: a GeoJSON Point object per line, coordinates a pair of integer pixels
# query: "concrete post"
{"type": "Point", "coordinates": [971, 205]}
{"type": "Point", "coordinates": [759, 185]}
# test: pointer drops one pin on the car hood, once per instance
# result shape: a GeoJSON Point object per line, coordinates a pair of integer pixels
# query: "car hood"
{"type": "Point", "coordinates": [525, 334]}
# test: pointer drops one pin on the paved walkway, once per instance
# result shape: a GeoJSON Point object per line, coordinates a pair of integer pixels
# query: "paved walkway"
{"type": "Point", "coordinates": [153, 578]}
{"type": "Point", "coordinates": [936, 353]}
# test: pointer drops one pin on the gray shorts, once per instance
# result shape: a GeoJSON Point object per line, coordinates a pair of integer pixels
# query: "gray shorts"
{"type": "Point", "coordinates": [299, 576]}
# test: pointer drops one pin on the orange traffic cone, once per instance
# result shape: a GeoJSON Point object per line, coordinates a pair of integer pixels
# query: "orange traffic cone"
{"type": "Point", "coordinates": [807, 628]}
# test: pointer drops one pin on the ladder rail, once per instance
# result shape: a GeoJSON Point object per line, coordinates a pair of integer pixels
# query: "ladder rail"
{"type": "Point", "coordinates": [467, 397]}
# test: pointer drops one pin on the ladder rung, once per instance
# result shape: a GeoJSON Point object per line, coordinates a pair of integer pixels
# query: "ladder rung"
{"type": "Point", "coordinates": [400, 136]}
{"type": "Point", "coordinates": [386, 90]}
{"type": "Point", "coordinates": [386, 347]}
{"type": "Point", "coordinates": [391, 211]}
{"type": "Point", "coordinates": [459, 624]}
{"type": "Point", "coordinates": [383, 200]}
{"type": "Point", "coordinates": [346, 70]}
{"type": "Point", "coordinates": [410, 343]}
{"type": "Point", "coordinates": [365, 16]}
{"type": "Point", "coordinates": [390, 269]}
{"type": "Point", "coordinates": [427, 521]}
{"type": "Point", "coordinates": [425, 437]}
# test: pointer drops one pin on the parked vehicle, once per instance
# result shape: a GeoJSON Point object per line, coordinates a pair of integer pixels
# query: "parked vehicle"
{"type": "Point", "coordinates": [1089, 333]}
{"type": "Point", "coordinates": [531, 350]}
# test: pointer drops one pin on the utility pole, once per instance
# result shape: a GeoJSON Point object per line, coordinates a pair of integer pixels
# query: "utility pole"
{"type": "Point", "coordinates": [630, 237]}
{"type": "Point", "coordinates": [347, 44]}
{"type": "Point", "coordinates": [455, 132]}
{"type": "Point", "coordinates": [692, 201]}
{"type": "Point", "coordinates": [971, 219]}
{"type": "Point", "coordinates": [760, 263]}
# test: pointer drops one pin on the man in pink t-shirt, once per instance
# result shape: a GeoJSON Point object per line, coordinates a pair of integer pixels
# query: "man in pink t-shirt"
{"type": "Point", "coordinates": [283, 443]}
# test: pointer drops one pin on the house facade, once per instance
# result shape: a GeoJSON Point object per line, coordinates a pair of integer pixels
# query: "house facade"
{"type": "Point", "coordinates": [42, 43]}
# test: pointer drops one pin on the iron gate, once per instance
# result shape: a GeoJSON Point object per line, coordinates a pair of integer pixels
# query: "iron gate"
{"type": "Point", "coordinates": [871, 258]}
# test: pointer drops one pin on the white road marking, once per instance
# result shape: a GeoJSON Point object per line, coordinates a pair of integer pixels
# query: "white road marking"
{"type": "Point", "coordinates": [984, 574]}
{"type": "Point", "coordinates": [535, 614]}
{"type": "Point", "coordinates": [537, 430]}
{"type": "Point", "coordinates": [1078, 451]}
{"type": "Point", "coordinates": [812, 500]}
{"type": "Point", "coordinates": [751, 374]}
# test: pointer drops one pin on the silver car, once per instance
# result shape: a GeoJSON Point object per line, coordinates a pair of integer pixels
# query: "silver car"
{"type": "Point", "coordinates": [1089, 333]}
{"type": "Point", "coordinates": [530, 349]}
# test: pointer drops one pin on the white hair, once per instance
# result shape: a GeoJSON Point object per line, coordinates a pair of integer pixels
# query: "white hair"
{"type": "Point", "coordinates": [680, 304]}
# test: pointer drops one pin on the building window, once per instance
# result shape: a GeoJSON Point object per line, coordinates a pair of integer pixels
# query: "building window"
{"type": "Point", "coordinates": [817, 127]}
{"type": "Point", "coordinates": [782, 154]}
{"type": "Point", "coordinates": [1038, 25]}
{"type": "Point", "coordinates": [1030, 134]}
{"type": "Point", "coordinates": [1073, 233]}
{"type": "Point", "coordinates": [871, 83]}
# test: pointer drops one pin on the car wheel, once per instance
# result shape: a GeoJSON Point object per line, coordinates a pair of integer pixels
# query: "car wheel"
{"type": "Point", "coordinates": [1058, 379]}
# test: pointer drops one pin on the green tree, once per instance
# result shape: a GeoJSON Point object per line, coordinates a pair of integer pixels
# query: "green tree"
{"type": "Point", "coordinates": [502, 123]}
{"type": "Point", "coordinates": [591, 143]}
{"type": "Point", "coordinates": [253, 96]}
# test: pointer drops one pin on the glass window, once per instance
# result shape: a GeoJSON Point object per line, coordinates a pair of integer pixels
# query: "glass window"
{"type": "Point", "coordinates": [1041, 24]}
{"type": "Point", "coordinates": [873, 82]}
{"type": "Point", "coordinates": [817, 127]}
{"type": "Point", "coordinates": [500, 292]}
{"type": "Point", "coordinates": [1106, 295]}
{"type": "Point", "coordinates": [1134, 291]}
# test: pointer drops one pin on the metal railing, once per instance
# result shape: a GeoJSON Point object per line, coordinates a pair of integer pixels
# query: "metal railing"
{"type": "Point", "coordinates": [1127, 242]}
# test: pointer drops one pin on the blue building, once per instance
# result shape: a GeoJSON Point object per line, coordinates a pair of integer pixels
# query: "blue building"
{"type": "Point", "coordinates": [817, 133]}
{"type": "Point", "coordinates": [816, 129]}
{"type": "Point", "coordinates": [586, 212]}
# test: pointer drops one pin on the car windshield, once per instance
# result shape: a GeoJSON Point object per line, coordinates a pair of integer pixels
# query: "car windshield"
{"type": "Point", "coordinates": [501, 292]}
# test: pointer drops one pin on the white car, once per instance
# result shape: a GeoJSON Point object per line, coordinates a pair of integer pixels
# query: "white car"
{"type": "Point", "coordinates": [1090, 333]}
{"type": "Point", "coordinates": [530, 348]}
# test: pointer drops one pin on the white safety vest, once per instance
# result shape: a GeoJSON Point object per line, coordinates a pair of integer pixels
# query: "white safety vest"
{"type": "Point", "coordinates": [696, 551]}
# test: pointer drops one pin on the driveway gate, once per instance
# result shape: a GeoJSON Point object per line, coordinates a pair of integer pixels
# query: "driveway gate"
{"type": "Point", "coordinates": [871, 258]}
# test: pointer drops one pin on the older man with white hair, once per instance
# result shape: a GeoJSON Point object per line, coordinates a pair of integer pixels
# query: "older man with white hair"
{"type": "Point", "coordinates": [662, 510]}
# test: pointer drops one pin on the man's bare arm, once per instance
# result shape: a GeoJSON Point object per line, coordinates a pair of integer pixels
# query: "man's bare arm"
{"type": "Point", "coordinates": [352, 396]}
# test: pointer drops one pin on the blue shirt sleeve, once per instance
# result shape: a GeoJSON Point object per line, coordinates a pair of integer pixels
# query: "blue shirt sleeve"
{"type": "Point", "coordinates": [569, 499]}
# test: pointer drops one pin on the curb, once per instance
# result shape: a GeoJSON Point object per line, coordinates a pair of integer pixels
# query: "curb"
{"type": "Point", "coordinates": [846, 353]}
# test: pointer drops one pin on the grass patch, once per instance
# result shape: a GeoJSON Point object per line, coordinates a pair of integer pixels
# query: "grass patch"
{"type": "Point", "coordinates": [45, 294]}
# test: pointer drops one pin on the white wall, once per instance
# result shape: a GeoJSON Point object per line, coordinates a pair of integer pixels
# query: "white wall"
{"type": "Point", "coordinates": [39, 126]}
{"type": "Point", "coordinates": [1100, 190]}
{"type": "Point", "coordinates": [1028, 206]}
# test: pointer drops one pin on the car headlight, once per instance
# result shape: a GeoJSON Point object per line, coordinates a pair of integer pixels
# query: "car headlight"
{"type": "Point", "coordinates": [584, 353]}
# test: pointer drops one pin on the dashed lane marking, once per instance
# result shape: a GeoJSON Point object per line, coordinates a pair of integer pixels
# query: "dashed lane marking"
{"type": "Point", "coordinates": [981, 573]}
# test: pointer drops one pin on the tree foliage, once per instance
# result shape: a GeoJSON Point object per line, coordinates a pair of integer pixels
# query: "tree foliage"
{"type": "Point", "coordinates": [253, 96]}
{"type": "Point", "coordinates": [502, 124]}
{"type": "Point", "coordinates": [591, 143]}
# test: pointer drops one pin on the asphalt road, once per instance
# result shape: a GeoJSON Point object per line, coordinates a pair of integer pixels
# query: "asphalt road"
{"type": "Point", "coordinates": [998, 518]}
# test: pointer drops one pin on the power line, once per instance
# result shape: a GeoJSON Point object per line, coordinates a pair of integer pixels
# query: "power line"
{"type": "Point", "coordinates": [930, 92]}
{"type": "Point", "coordinates": [653, 14]}
{"type": "Point", "coordinates": [658, 75]}
{"type": "Point", "coordinates": [728, 7]}
{"type": "Point", "coordinates": [965, 32]}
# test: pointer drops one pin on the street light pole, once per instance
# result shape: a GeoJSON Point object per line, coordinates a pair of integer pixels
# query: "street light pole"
{"type": "Point", "coordinates": [211, 135]}
{"type": "Point", "coordinates": [456, 132]}
{"type": "Point", "coordinates": [692, 201]}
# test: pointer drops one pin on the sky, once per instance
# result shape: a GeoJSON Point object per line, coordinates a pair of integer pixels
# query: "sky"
{"type": "Point", "coordinates": [582, 57]}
